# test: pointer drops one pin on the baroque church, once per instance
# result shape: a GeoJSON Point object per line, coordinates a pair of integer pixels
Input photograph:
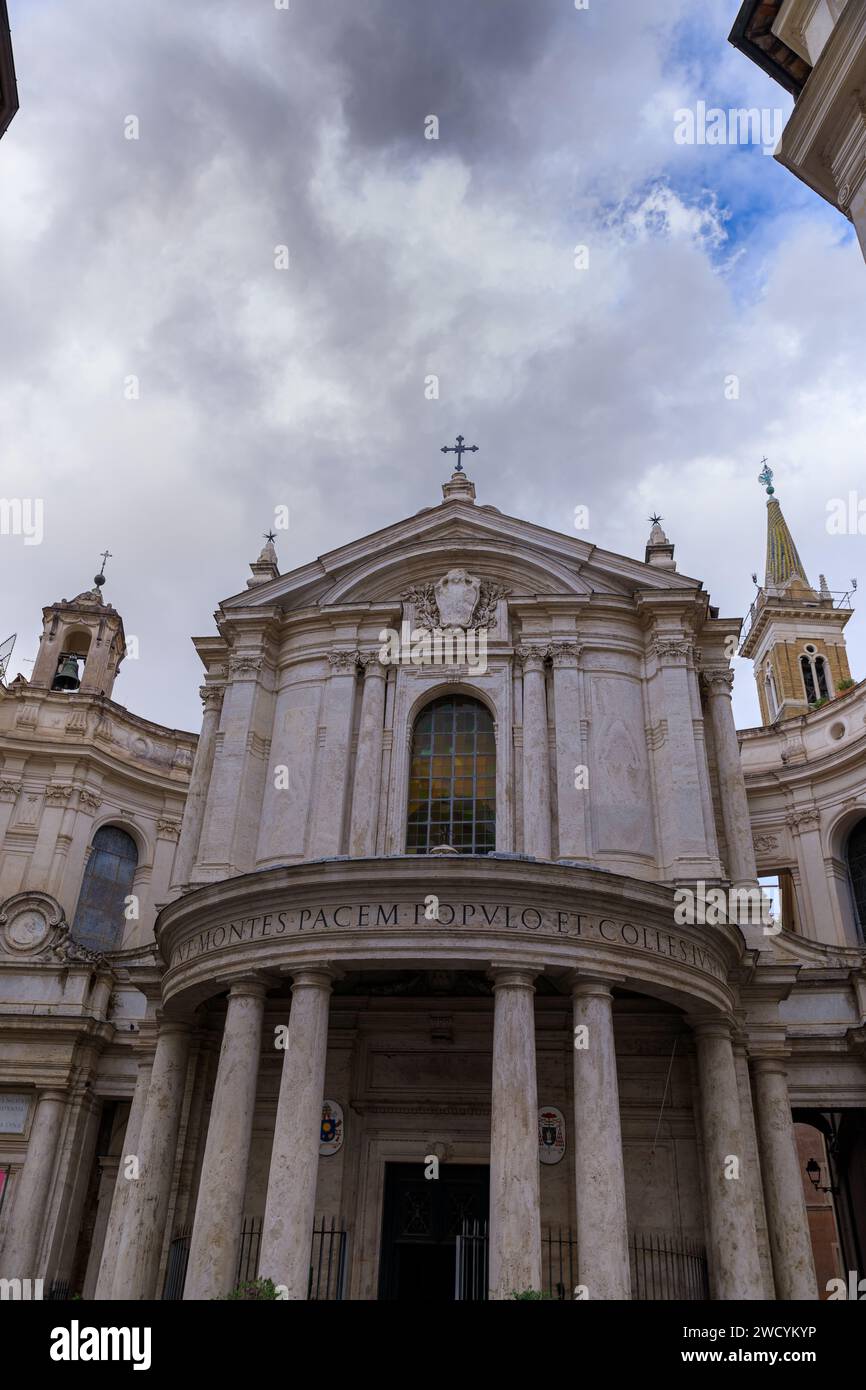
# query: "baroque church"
{"type": "Point", "coordinates": [406, 977]}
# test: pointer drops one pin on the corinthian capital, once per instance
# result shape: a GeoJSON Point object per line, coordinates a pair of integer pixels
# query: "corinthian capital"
{"type": "Point", "coordinates": [718, 682]}
{"type": "Point", "coordinates": [211, 696]}
{"type": "Point", "coordinates": [676, 650]}
{"type": "Point", "coordinates": [563, 653]}
{"type": "Point", "coordinates": [244, 665]}
{"type": "Point", "coordinates": [531, 657]}
{"type": "Point", "coordinates": [343, 662]}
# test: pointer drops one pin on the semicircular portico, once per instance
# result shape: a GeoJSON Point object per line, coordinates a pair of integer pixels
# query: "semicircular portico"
{"type": "Point", "coordinates": [456, 913]}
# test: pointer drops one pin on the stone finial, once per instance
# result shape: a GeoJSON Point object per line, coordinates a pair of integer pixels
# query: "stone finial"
{"type": "Point", "coordinates": [266, 567]}
{"type": "Point", "coordinates": [659, 551]}
{"type": "Point", "coordinates": [459, 488]}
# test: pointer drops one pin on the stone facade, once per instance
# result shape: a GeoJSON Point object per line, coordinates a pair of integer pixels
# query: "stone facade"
{"type": "Point", "coordinates": [817, 50]}
{"type": "Point", "coordinates": [591, 1064]}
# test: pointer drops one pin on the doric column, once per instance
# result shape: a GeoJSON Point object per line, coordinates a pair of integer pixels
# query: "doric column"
{"type": "Point", "coordinates": [24, 1232]}
{"type": "Point", "coordinates": [790, 1243]}
{"type": "Point", "coordinates": [287, 1234]}
{"type": "Point", "coordinates": [570, 798]}
{"type": "Point", "coordinates": [536, 755]}
{"type": "Point", "coordinates": [602, 1225]}
{"type": "Point", "coordinates": [735, 1265]}
{"type": "Point", "coordinates": [196, 797]}
{"type": "Point", "coordinates": [216, 1232]}
{"type": "Point", "coordinates": [332, 789]}
{"type": "Point", "coordinates": [732, 784]}
{"type": "Point", "coordinates": [123, 1183]}
{"type": "Point", "coordinates": [141, 1239]}
{"type": "Point", "coordinates": [368, 762]}
{"type": "Point", "coordinates": [108, 1167]}
{"type": "Point", "coordinates": [515, 1216]}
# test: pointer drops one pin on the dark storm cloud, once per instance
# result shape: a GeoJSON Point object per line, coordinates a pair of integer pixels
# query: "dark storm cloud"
{"type": "Point", "coordinates": [456, 59]}
{"type": "Point", "coordinates": [409, 258]}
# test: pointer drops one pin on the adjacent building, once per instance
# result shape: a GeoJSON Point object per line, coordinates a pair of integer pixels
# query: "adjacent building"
{"type": "Point", "coordinates": [816, 50]}
{"type": "Point", "coordinates": [8, 85]}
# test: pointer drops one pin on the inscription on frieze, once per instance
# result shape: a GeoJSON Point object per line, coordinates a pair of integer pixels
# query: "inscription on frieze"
{"type": "Point", "coordinates": [326, 919]}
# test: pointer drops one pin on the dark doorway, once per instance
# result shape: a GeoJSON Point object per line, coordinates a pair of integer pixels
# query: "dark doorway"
{"type": "Point", "coordinates": [422, 1219]}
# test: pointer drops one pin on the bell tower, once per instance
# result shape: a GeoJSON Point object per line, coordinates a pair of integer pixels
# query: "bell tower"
{"type": "Point", "coordinates": [794, 633]}
{"type": "Point", "coordinates": [82, 643]}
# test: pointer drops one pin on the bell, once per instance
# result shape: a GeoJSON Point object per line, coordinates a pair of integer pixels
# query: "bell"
{"type": "Point", "coordinates": [67, 675]}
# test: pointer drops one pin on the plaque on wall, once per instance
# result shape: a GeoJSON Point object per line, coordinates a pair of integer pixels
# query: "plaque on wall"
{"type": "Point", "coordinates": [13, 1113]}
{"type": "Point", "coordinates": [551, 1134]}
{"type": "Point", "coordinates": [331, 1138]}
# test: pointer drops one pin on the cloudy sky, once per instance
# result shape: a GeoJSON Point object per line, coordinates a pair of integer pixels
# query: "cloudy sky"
{"type": "Point", "coordinates": [257, 387]}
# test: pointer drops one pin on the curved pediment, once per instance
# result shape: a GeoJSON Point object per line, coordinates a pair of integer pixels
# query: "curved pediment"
{"type": "Point", "coordinates": [525, 559]}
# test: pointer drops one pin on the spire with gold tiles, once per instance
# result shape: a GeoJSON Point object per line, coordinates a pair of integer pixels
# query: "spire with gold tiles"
{"type": "Point", "coordinates": [793, 634]}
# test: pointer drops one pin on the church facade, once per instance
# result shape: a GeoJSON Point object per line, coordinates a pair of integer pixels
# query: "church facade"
{"type": "Point", "coordinates": [438, 964]}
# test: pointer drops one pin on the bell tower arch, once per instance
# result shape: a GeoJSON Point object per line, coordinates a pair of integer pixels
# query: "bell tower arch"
{"type": "Point", "coordinates": [82, 644]}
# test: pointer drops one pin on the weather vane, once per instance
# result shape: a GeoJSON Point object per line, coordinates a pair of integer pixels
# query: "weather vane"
{"type": "Point", "coordinates": [460, 449]}
{"type": "Point", "coordinates": [765, 477]}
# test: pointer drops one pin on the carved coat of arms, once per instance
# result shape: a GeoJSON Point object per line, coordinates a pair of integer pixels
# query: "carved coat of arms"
{"type": "Point", "coordinates": [456, 597]}
{"type": "Point", "coordinates": [458, 600]}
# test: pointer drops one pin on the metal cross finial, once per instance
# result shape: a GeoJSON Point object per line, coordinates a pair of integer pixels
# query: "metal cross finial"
{"type": "Point", "coordinates": [765, 477]}
{"type": "Point", "coordinates": [106, 555]}
{"type": "Point", "coordinates": [459, 450]}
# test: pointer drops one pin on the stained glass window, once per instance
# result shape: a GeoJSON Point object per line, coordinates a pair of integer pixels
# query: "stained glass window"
{"type": "Point", "coordinates": [857, 871]}
{"type": "Point", "coordinates": [452, 778]}
{"type": "Point", "coordinates": [99, 917]}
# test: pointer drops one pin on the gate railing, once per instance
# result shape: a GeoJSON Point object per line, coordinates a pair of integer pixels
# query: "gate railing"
{"type": "Point", "coordinates": [328, 1259]}
{"type": "Point", "coordinates": [470, 1264]}
{"type": "Point", "coordinates": [663, 1267]}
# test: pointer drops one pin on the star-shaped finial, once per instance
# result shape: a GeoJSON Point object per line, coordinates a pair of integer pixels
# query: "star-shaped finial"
{"type": "Point", "coordinates": [270, 536]}
{"type": "Point", "coordinates": [656, 520]}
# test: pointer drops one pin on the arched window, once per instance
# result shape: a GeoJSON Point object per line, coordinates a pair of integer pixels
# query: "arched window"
{"type": "Point", "coordinates": [772, 697]}
{"type": "Point", "coordinates": [857, 871]}
{"type": "Point", "coordinates": [452, 778]}
{"type": "Point", "coordinates": [814, 675]}
{"type": "Point", "coordinates": [99, 917]}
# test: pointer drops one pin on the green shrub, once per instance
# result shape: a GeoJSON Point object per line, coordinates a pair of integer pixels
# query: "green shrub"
{"type": "Point", "coordinates": [253, 1289]}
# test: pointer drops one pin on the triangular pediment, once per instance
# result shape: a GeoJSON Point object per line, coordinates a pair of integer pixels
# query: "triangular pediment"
{"type": "Point", "coordinates": [526, 559]}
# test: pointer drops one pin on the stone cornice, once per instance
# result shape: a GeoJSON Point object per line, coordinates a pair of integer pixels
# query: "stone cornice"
{"type": "Point", "coordinates": [817, 142]}
{"type": "Point", "coordinates": [528, 915]}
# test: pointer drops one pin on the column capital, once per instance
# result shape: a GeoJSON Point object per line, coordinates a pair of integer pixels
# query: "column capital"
{"type": "Point", "coordinates": [211, 697]}
{"type": "Point", "coordinates": [564, 654]}
{"type": "Point", "coordinates": [51, 1093]}
{"type": "Point", "coordinates": [589, 987]}
{"type": "Point", "coordinates": [343, 663]}
{"type": "Point", "coordinates": [765, 1064]}
{"type": "Point", "coordinates": [167, 1026]}
{"type": "Point", "coordinates": [712, 1026]}
{"type": "Point", "coordinates": [718, 682]}
{"type": "Point", "coordinates": [314, 977]}
{"type": "Point", "coordinates": [248, 987]}
{"type": "Point", "coordinates": [514, 976]}
{"type": "Point", "coordinates": [531, 657]}
{"type": "Point", "coordinates": [245, 666]}
{"type": "Point", "coordinates": [371, 665]}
